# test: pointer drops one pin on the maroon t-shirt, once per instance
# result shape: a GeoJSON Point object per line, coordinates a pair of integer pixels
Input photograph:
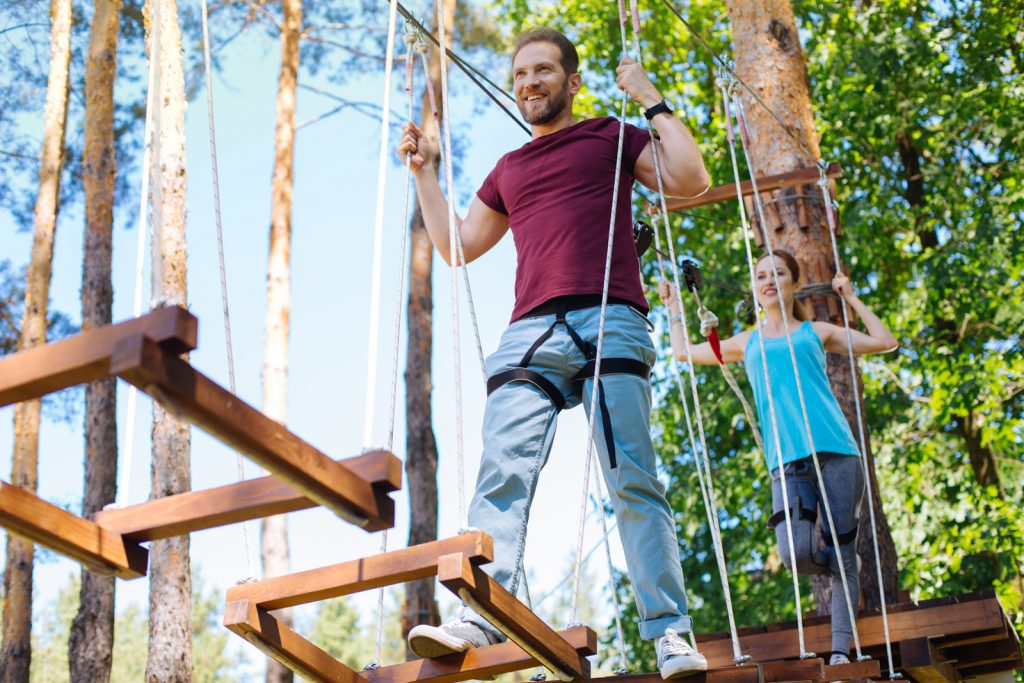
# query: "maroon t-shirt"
{"type": "Point", "coordinates": [557, 192]}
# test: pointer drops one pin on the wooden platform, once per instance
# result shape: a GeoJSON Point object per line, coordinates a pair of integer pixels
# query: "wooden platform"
{"type": "Point", "coordinates": [727, 192]}
{"type": "Point", "coordinates": [146, 352]}
{"type": "Point", "coordinates": [936, 641]}
{"type": "Point", "coordinates": [455, 561]}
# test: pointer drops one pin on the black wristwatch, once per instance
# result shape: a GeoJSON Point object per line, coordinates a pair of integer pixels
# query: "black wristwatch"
{"type": "Point", "coordinates": [660, 107]}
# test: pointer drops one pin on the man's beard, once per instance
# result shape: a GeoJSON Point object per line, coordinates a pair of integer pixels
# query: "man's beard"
{"type": "Point", "coordinates": [556, 104]}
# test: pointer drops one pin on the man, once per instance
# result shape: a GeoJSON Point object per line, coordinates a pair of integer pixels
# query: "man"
{"type": "Point", "coordinates": [555, 194]}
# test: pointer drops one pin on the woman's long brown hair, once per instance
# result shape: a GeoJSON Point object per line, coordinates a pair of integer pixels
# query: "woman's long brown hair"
{"type": "Point", "coordinates": [801, 311]}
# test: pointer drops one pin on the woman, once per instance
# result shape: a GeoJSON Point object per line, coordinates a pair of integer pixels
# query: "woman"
{"type": "Point", "coordinates": [834, 443]}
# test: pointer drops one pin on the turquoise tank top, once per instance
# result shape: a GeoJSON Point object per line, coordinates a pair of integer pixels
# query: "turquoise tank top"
{"type": "Point", "coordinates": [829, 428]}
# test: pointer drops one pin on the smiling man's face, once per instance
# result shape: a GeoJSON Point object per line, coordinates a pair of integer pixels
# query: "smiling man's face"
{"type": "Point", "coordinates": [541, 86]}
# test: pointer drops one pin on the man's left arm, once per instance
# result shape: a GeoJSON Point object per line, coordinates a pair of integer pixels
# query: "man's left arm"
{"type": "Point", "coordinates": [682, 167]}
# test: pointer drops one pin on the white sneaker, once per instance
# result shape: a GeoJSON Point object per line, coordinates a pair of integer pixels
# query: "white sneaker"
{"type": "Point", "coordinates": [454, 636]}
{"type": "Point", "coordinates": [838, 658]}
{"type": "Point", "coordinates": [676, 657]}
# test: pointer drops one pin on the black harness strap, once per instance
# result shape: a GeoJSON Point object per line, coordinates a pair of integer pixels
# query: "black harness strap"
{"type": "Point", "coordinates": [805, 513]}
{"type": "Point", "coordinates": [609, 366]}
{"type": "Point", "coordinates": [844, 537]}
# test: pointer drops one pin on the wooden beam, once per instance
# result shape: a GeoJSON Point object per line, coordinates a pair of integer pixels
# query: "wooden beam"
{"type": "Point", "coordinates": [278, 641]}
{"type": "Point", "coordinates": [793, 670]}
{"type": "Point", "coordinates": [919, 622]}
{"type": "Point", "coordinates": [253, 499]}
{"type": "Point", "coordinates": [923, 662]}
{"type": "Point", "coordinates": [854, 671]}
{"type": "Point", "coordinates": [99, 550]}
{"type": "Point", "coordinates": [194, 397]}
{"type": "Point", "coordinates": [966, 656]}
{"type": "Point", "coordinates": [729, 674]}
{"type": "Point", "coordinates": [727, 192]}
{"type": "Point", "coordinates": [484, 662]}
{"type": "Point", "coordinates": [490, 600]}
{"type": "Point", "coordinates": [346, 578]}
{"type": "Point", "coordinates": [86, 357]}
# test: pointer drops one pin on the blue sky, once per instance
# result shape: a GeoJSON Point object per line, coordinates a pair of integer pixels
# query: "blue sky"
{"type": "Point", "coordinates": [335, 184]}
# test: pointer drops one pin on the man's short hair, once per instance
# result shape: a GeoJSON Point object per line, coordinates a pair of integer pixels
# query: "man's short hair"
{"type": "Point", "coordinates": [542, 34]}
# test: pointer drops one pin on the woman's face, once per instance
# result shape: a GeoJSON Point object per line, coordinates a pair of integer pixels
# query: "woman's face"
{"type": "Point", "coordinates": [767, 294]}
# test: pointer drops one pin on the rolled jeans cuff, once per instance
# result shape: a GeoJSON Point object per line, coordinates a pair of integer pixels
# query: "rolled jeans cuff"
{"type": "Point", "coordinates": [655, 628]}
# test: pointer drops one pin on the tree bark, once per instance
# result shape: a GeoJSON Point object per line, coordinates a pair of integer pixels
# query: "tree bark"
{"type": "Point", "coordinates": [16, 651]}
{"type": "Point", "coordinates": [770, 60]}
{"type": "Point", "coordinates": [170, 582]}
{"type": "Point", "coordinates": [420, 444]}
{"type": "Point", "coordinates": [274, 537]}
{"type": "Point", "coordinates": [91, 641]}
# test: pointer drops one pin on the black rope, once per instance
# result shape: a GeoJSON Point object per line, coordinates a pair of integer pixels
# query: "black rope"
{"type": "Point", "coordinates": [725, 65]}
{"type": "Point", "coordinates": [474, 74]}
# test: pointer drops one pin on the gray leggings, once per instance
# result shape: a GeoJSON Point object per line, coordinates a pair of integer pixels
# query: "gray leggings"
{"type": "Point", "coordinates": [844, 482]}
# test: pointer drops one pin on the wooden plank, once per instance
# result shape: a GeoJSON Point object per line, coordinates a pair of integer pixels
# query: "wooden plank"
{"type": "Point", "coordinates": [85, 357]}
{"type": "Point", "coordinates": [923, 662]}
{"type": "Point", "coordinates": [346, 578]}
{"type": "Point", "coordinates": [812, 669]}
{"type": "Point", "coordinates": [853, 671]}
{"type": "Point", "coordinates": [99, 550]}
{"type": "Point", "coordinates": [278, 641]}
{"type": "Point", "coordinates": [972, 638]}
{"type": "Point", "coordinates": [983, 653]}
{"type": "Point", "coordinates": [727, 192]}
{"type": "Point", "coordinates": [490, 600]}
{"type": "Point", "coordinates": [977, 615]}
{"type": "Point", "coordinates": [196, 398]}
{"type": "Point", "coordinates": [253, 499]}
{"type": "Point", "coordinates": [484, 662]}
{"type": "Point", "coordinates": [728, 674]}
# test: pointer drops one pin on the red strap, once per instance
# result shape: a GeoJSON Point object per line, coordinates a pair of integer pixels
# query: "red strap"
{"type": "Point", "coordinates": [715, 345]}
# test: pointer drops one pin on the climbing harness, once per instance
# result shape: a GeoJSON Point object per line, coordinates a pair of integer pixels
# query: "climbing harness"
{"type": "Point", "coordinates": [609, 366]}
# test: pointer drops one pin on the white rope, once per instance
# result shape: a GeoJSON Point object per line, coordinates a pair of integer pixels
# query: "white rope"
{"type": "Point", "coordinates": [799, 384]}
{"type": "Point", "coordinates": [156, 215]}
{"type": "Point", "coordinates": [464, 267]}
{"type": "Point", "coordinates": [595, 385]}
{"type": "Point", "coordinates": [830, 217]}
{"type": "Point", "coordinates": [599, 503]}
{"type": "Point", "coordinates": [453, 238]}
{"type": "Point", "coordinates": [140, 262]}
{"type": "Point", "coordinates": [725, 86]}
{"type": "Point", "coordinates": [378, 233]}
{"type": "Point", "coordinates": [239, 461]}
{"type": "Point", "coordinates": [707, 487]}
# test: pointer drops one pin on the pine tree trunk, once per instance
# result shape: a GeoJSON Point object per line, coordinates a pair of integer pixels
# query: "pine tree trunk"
{"type": "Point", "coordinates": [770, 60]}
{"type": "Point", "coordinates": [170, 582]}
{"type": "Point", "coordinates": [16, 651]}
{"type": "Point", "coordinates": [421, 446]}
{"type": "Point", "coordinates": [274, 543]}
{"type": "Point", "coordinates": [91, 642]}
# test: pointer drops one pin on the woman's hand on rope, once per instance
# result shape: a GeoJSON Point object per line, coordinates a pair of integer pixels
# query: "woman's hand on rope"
{"type": "Point", "coordinates": [415, 144]}
{"type": "Point", "coordinates": [633, 80]}
{"type": "Point", "coordinates": [842, 286]}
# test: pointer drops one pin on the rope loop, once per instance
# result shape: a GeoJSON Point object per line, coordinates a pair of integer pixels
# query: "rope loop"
{"type": "Point", "coordinates": [708, 320]}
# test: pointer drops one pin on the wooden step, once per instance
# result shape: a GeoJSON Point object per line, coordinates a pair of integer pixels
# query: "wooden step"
{"type": "Point", "coordinates": [86, 357]}
{"type": "Point", "coordinates": [98, 549]}
{"type": "Point", "coordinates": [355, 576]}
{"type": "Point", "coordinates": [195, 398]}
{"type": "Point", "coordinates": [480, 663]}
{"type": "Point", "coordinates": [490, 600]}
{"type": "Point", "coordinates": [184, 513]}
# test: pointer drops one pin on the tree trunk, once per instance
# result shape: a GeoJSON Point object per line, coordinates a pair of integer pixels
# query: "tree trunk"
{"type": "Point", "coordinates": [770, 60]}
{"type": "Point", "coordinates": [16, 652]}
{"type": "Point", "coordinates": [91, 642]}
{"type": "Point", "coordinates": [274, 542]}
{"type": "Point", "coordinates": [420, 444]}
{"type": "Point", "coordinates": [170, 582]}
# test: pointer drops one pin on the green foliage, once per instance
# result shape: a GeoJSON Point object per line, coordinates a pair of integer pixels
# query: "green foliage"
{"type": "Point", "coordinates": [919, 103]}
{"type": "Point", "coordinates": [211, 662]}
{"type": "Point", "coordinates": [351, 637]}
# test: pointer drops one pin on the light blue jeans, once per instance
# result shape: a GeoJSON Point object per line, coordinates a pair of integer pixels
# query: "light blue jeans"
{"type": "Point", "coordinates": [519, 427]}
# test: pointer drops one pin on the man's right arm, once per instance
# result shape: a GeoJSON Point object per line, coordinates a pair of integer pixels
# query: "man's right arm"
{"type": "Point", "coordinates": [482, 228]}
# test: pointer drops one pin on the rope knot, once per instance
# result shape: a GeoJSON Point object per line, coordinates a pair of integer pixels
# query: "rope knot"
{"type": "Point", "coordinates": [708, 320]}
